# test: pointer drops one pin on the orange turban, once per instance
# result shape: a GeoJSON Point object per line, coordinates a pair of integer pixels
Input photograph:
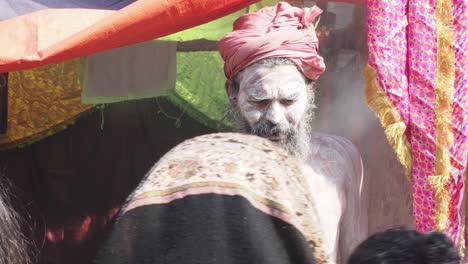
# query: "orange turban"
{"type": "Point", "coordinates": [279, 31]}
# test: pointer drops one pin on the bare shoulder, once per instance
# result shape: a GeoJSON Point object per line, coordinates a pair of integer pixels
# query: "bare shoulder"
{"type": "Point", "coordinates": [335, 154]}
{"type": "Point", "coordinates": [331, 143]}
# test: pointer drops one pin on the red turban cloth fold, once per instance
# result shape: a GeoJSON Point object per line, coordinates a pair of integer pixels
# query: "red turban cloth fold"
{"type": "Point", "coordinates": [279, 31]}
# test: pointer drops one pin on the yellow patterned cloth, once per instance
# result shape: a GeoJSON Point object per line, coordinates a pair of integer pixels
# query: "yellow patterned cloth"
{"type": "Point", "coordinates": [41, 102]}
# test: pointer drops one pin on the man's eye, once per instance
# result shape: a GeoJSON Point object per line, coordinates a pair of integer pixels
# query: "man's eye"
{"type": "Point", "coordinates": [259, 102]}
{"type": "Point", "coordinates": [287, 101]}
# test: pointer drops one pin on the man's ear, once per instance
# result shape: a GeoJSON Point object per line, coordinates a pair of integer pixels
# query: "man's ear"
{"type": "Point", "coordinates": [231, 95]}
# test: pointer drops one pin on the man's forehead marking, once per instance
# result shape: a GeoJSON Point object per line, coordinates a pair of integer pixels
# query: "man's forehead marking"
{"type": "Point", "coordinates": [261, 82]}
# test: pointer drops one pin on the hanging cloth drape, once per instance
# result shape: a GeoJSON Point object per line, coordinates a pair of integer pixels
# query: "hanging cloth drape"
{"type": "Point", "coordinates": [137, 71]}
{"type": "Point", "coordinates": [416, 84]}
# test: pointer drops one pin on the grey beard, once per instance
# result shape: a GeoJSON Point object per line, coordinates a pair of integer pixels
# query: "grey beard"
{"type": "Point", "coordinates": [14, 246]}
{"type": "Point", "coordinates": [297, 140]}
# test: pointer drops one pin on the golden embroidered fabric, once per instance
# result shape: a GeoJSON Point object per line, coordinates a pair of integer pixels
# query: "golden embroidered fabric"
{"type": "Point", "coordinates": [41, 102]}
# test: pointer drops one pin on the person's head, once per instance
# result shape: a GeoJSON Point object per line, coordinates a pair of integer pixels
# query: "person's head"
{"type": "Point", "coordinates": [14, 247]}
{"type": "Point", "coordinates": [271, 62]}
{"type": "Point", "coordinates": [397, 246]}
{"type": "Point", "coordinates": [273, 99]}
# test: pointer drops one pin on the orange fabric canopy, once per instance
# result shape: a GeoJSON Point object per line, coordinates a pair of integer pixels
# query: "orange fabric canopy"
{"type": "Point", "coordinates": [54, 35]}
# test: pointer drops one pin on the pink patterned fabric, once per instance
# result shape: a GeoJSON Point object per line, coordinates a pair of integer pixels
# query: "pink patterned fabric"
{"type": "Point", "coordinates": [402, 40]}
{"type": "Point", "coordinates": [421, 60]}
{"type": "Point", "coordinates": [460, 105]}
{"type": "Point", "coordinates": [279, 31]}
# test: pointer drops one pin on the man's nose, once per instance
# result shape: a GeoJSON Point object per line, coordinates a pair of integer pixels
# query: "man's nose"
{"type": "Point", "coordinates": [275, 113]}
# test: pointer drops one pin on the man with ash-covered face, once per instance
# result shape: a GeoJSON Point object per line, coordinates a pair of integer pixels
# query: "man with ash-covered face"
{"type": "Point", "coordinates": [271, 64]}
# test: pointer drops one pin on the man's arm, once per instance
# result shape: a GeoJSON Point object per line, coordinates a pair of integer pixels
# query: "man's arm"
{"type": "Point", "coordinates": [354, 222]}
{"type": "Point", "coordinates": [338, 159]}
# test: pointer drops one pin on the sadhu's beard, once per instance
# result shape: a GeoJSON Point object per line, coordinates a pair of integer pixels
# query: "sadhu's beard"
{"type": "Point", "coordinates": [14, 247]}
{"type": "Point", "coordinates": [294, 139]}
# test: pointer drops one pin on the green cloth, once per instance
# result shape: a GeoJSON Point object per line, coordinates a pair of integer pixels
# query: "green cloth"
{"type": "Point", "coordinates": [199, 90]}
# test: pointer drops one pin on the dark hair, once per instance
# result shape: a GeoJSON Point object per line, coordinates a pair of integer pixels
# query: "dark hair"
{"type": "Point", "coordinates": [399, 246]}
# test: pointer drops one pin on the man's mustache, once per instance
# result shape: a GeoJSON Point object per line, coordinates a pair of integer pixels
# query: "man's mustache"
{"type": "Point", "coordinates": [267, 129]}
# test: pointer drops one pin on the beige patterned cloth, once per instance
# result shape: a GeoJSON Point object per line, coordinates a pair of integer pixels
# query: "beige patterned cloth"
{"type": "Point", "coordinates": [235, 164]}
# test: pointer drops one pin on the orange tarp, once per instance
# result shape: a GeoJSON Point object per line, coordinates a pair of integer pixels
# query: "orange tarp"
{"type": "Point", "coordinates": [41, 37]}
